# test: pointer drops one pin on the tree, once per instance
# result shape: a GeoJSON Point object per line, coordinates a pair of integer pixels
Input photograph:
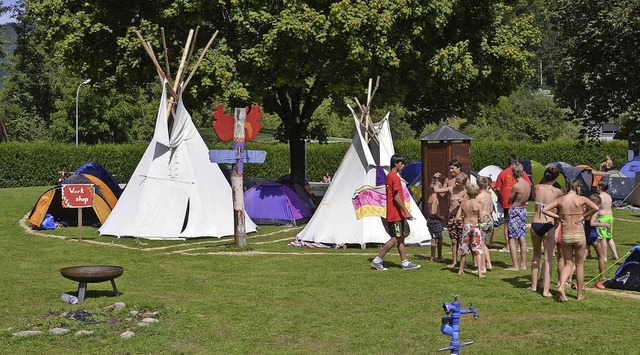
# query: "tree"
{"type": "Point", "coordinates": [435, 57]}
{"type": "Point", "coordinates": [599, 70]}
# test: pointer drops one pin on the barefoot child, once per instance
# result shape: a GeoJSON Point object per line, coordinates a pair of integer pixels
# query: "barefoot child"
{"type": "Point", "coordinates": [518, 218]}
{"type": "Point", "coordinates": [434, 221]}
{"type": "Point", "coordinates": [605, 215]}
{"type": "Point", "coordinates": [486, 224]}
{"type": "Point", "coordinates": [470, 212]}
{"type": "Point", "coordinates": [571, 210]}
{"type": "Point", "coordinates": [590, 230]}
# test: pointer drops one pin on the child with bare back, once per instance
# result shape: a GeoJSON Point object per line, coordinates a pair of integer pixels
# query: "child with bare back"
{"type": "Point", "coordinates": [518, 218]}
{"type": "Point", "coordinates": [455, 185]}
{"type": "Point", "coordinates": [486, 222]}
{"type": "Point", "coordinates": [470, 213]}
{"type": "Point", "coordinates": [605, 215]}
{"type": "Point", "coordinates": [571, 210]}
{"type": "Point", "coordinates": [543, 230]}
{"type": "Point", "coordinates": [435, 219]}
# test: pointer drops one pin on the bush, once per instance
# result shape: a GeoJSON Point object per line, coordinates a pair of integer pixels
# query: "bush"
{"type": "Point", "coordinates": [37, 164]}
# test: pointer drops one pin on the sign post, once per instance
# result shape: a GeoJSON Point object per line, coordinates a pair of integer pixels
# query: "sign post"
{"type": "Point", "coordinates": [243, 126]}
{"type": "Point", "coordinates": [78, 196]}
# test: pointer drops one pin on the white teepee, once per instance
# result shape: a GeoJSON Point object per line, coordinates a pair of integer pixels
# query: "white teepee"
{"type": "Point", "coordinates": [175, 191]}
{"type": "Point", "coordinates": [335, 221]}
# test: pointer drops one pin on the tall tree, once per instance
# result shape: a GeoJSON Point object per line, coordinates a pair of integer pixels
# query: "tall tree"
{"type": "Point", "coordinates": [439, 57]}
{"type": "Point", "coordinates": [599, 47]}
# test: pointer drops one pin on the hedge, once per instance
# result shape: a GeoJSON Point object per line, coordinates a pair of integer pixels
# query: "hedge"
{"type": "Point", "coordinates": [38, 164]}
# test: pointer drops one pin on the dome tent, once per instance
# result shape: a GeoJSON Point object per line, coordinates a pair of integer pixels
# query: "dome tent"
{"type": "Point", "coordinates": [276, 204]}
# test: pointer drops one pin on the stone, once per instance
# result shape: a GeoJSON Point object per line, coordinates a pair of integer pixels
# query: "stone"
{"type": "Point", "coordinates": [148, 315]}
{"type": "Point", "coordinates": [83, 332]}
{"type": "Point", "coordinates": [58, 330]}
{"type": "Point", "coordinates": [134, 313]}
{"type": "Point", "coordinates": [118, 306]}
{"type": "Point", "coordinates": [142, 324]}
{"type": "Point", "coordinates": [127, 335]}
{"type": "Point", "coordinates": [27, 333]}
{"type": "Point", "coordinates": [149, 320]}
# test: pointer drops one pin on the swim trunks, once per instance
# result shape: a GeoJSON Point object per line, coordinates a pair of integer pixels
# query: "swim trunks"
{"type": "Point", "coordinates": [471, 240]}
{"type": "Point", "coordinates": [517, 224]}
{"type": "Point", "coordinates": [604, 232]}
{"type": "Point", "coordinates": [455, 228]}
{"type": "Point", "coordinates": [486, 227]}
{"type": "Point", "coordinates": [435, 228]}
{"type": "Point", "coordinates": [541, 229]}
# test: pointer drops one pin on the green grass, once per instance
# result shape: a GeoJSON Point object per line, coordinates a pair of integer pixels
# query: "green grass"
{"type": "Point", "coordinates": [272, 298]}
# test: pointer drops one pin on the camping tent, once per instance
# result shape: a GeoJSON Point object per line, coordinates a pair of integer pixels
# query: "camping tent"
{"type": "Point", "coordinates": [51, 202]}
{"type": "Point", "coordinates": [570, 172]}
{"type": "Point", "coordinates": [490, 171]}
{"type": "Point", "coordinates": [106, 178]}
{"type": "Point", "coordinates": [335, 220]}
{"type": "Point", "coordinates": [411, 171]}
{"type": "Point", "coordinates": [620, 188]}
{"type": "Point", "coordinates": [534, 169]}
{"type": "Point", "coordinates": [275, 203]}
{"type": "Point", "coordinates": [175, 192]}
{"type": "Point", "coordinates": [627, 276]}
{"type": "Point", "coordinates": [630, 168]}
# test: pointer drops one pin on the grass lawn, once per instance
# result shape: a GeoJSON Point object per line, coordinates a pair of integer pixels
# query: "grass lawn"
{"type": "Point", "coordinates": [274, 299]}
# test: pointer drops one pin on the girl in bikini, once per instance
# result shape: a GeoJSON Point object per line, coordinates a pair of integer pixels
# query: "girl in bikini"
{"type": "Point", "coordinates": [543, 229]}
{"type": "Point", "coordinates": [571, 210]}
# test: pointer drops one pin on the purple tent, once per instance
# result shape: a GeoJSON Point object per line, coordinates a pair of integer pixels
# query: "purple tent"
{"type": "Point", "coordinates": [274, 203]}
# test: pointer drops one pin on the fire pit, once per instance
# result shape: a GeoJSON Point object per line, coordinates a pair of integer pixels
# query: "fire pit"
{"type": "Point", "coordinates": [92, 274]}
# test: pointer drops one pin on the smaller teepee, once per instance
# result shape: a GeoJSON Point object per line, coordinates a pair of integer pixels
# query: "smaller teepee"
{"type": "Point", "coordinates": [175, 191]}
{"type": "Point", "coordinates": [335, 220]}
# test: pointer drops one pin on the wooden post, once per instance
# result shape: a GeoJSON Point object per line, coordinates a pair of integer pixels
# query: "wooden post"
{"type": "Point", "coordinates": [79, 224]}
{"type": "Point", "coordinates": [240, 233]}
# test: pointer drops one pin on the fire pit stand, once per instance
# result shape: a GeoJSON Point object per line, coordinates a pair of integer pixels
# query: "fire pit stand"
{"type": "Point", "coordinates": [92, 274]}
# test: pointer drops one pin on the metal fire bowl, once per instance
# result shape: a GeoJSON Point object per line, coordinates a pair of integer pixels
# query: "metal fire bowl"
{"type": "Point", "coordinates": [92, 274]}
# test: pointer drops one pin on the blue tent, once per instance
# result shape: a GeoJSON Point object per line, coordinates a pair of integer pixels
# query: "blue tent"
{"type": "Point", "coordinates": [411, 171]}
{"type": "Point", "coordinates": [99, 171]}
{"type": "Point", "coordinates": [631, 167]}
{"type": "Point", "coordinates": [627, 276]}
{"type": "Point", "coordinates": [570, 172]}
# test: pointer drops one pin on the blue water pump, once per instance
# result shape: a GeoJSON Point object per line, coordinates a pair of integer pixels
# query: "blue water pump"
{"type": "Point", "coordinates": [451, 324]}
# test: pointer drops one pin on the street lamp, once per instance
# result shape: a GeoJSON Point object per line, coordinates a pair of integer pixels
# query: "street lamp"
{"type": "Point", "coordinates": [77, 95]}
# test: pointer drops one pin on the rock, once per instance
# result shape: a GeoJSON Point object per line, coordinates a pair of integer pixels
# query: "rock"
{"type": "Point", "coordinates": [149, 320]}
{"type": "Point", "coordinates": [134, 313]}
{"type": "Point", "coordinates": [83, 332]}
{"type": "Point", "coordinates": [148, 315]}
{"type": "Point", "coordinates": [118, 306]}
{"type": "Point", "coordinates": [127, 335]}
{"type": "Point", "coordinates": [142, 324]}
{"type": "Point", "coordinates": [58, 330]}
{"type": "Point", "coordinates": [27, 333]}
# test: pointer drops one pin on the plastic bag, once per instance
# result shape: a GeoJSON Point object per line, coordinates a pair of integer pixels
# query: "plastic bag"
{"type": "Point", "coordinates": [48, 222]}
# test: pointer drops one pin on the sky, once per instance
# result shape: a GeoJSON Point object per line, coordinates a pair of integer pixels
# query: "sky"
{"type": "Point", "coordinates": [5, 17]}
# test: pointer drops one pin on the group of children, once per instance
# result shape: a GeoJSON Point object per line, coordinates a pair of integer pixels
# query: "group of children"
{"type": "Point", "coordinates": [470, 224]}
{"type": "Point", "coordinates": [564, 222]}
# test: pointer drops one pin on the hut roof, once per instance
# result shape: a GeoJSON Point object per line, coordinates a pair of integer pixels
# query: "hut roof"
{"type": "Point", "coordinates": [446, 133]}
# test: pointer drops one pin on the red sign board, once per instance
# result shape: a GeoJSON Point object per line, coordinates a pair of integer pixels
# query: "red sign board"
{"type": "Point", "coordinates": [77, 195]}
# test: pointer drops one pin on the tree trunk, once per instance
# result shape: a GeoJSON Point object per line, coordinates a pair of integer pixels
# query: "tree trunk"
{"type": "Point", "coordinates": [298, 159]}
{"type": "Point", "coordinates": [4, 130]}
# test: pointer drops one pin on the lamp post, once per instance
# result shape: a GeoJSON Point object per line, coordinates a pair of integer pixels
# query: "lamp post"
{"type": "Point", "coordinates": [77, 95]}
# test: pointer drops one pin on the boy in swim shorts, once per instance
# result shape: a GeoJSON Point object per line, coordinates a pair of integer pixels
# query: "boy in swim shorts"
{"type": "Point", "coordinates": [605, 215]}
{"type": "Point", "coordinates": [470, 212]}
{"type": "Point", "coordinates": [434, 221]}
{"type": "Point", "coordinates": [517, 224]}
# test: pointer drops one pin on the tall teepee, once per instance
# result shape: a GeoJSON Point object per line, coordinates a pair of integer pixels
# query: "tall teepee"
{"type": "Point", "coordinates": [175, 191]}
{"type": "Point", "coordinates": [335, 220]}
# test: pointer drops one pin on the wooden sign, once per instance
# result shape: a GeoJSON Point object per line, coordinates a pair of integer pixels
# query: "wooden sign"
{"type": "Point", "coordinates": [77, 195]}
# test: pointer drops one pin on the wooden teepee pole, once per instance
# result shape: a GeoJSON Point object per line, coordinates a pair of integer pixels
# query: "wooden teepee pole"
{"type": "Point", "coordinates": [183, 60]}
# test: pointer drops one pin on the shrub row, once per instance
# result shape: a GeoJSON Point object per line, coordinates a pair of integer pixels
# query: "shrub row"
{"type": "Point", "coordinates": [36, 164]}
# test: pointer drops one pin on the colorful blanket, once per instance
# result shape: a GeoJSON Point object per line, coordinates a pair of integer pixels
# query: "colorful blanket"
{"type": "Point", "coordinates": [372, 201]}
